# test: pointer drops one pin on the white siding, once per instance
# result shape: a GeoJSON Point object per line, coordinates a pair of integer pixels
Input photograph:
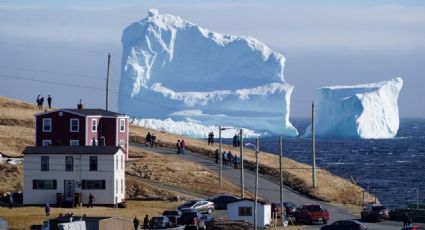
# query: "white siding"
{"type": "Point", "coordinates": [106, 171]}
{"type": "Point", "coordinates": [263, 212]}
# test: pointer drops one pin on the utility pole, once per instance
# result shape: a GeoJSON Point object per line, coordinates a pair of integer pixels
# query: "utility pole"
{"type": "Point", "coordinates": [257, 150]}
{"type": "Point", "coordinates": [241, 159]}
{"type": "Point", "coordinates": [313, 146]}
{"type": "Point", "coordinates": [220, 155]}
{"type": "Point", "coordinates": [282, 210]}
{"type": "Point", "coordinates": [107, 81]}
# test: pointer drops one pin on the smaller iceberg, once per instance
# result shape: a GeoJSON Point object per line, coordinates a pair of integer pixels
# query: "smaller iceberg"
{"type": "Point", "coordinates": [360, 111]}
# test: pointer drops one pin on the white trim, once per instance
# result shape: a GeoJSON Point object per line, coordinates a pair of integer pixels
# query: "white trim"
{"type": "Point", "coordinates": [127, 147]}
{"type": "Point", "coordinates": [116, 132]}
{"type": "Point", "coordinates": [122, 119]}
{"type": "Point", "coordinates": [48, 142]}
{"type": "Point", "coordinates": [86, 137]}
{"type": "Point", "coordinates": [93, 119]}
{"type": "Point", "coordinates": [44, 130]}
{"type": "Point", "coordinates": [70, 125]}
{"type": "Point", "coordinates": [75, 141]}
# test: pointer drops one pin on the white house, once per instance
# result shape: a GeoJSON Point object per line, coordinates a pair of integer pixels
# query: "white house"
{"type": "Point", "coordinates": [244, 210]}
{"type": "Point", "coordinates": [68, 174]}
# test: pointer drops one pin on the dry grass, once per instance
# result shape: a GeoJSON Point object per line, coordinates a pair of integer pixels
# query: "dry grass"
{"type": "Point", "coordinates": [296, 175]}
{"type": "Point", "coordinates": [24, 217]}
{"type": "Point", "coordinates": [10, 178]}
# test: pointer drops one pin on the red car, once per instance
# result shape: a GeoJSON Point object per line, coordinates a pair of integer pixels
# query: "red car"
{"type": "Point", "coordinates": [312, 214]}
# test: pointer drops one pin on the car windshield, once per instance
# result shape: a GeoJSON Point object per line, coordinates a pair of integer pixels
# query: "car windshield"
{"type": "Point", "coordinates": [170, 213]}
{"type": "Point", "coordinates": [190, 203]}
{"type": "Point", "coordinates": [378, 208]}
{"type": "Point", "coordinates": [189, 214]}
{"type": "Point", "coordinates": [313, 208]}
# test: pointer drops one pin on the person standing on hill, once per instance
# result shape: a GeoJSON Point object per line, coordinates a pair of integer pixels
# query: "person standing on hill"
{"type": "Point", "coordinates": [235, 141]}
{"type": "Point", "coordinates": [238, 140]}
{"type": "Point", "coordinates": [148, 139]}
{"type": "Point", "coordinates": [49, 101]}
{"type": "Point", "coordinates": [136, 223]}
{"type": "Point", "coordinates": [38, 102]}
{"type": "Point", "coordinates": [47, 210]}
{"type": "Point", "coordinates": [41, 102]}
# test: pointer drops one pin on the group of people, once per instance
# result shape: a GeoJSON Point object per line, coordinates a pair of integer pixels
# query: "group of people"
{"type": "Point", "coordinates": [40, 101]}
{"type": "Point", "coordinates": [236, 140]}
{"type": "Point", "coordinates": [150, 139]}
{"type": "Point", "coordinates": [146, 222]}
{"type": "Point", "coordinates": [181, 146]}
{"type": "Point", "coordinates": [210, 138]}
{"type": "Point", "coordinates": [227, 158]}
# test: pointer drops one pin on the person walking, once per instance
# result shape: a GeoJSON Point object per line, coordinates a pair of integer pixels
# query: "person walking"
{"type": "Point", "coordinates": [11, 201]}
{"type": "Point", "coordinates": [91, 200]}
{"type": "Point", "coordinates": [224, 157]}
{"type": "Point", "coordinates": [49, 101]}
{"type": "Point", "coordinates": [153, 140]}
{"type": "Point", "coordinates": [235, 161]}
{"type": "Point", "coordinates": [47, 209]}
{"type": "Point", "coordinates": [230, 157]}
{"type": "Point", "coordinates": [217, 156]}
{"type": "Point", "coordinates": [405, 219]}
{"type": "Point", "coordinates": [183, 146]}
{"type": "Point", "coordinates": [148, 139]}
{"type": "Point", "coordinates": [136, 223]}
{"type": "Point", "coordinates": [178, 147]}
{"type": "Point", "coordinates": [41, 103]}
{"type": "Point", "coordinates": [146, 222]}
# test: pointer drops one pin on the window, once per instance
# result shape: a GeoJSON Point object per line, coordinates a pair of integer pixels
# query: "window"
{"type": "Point", "coordinates": [94, 125]}
{"type": "Point", "coordinates": [69, 163]}
{"type": "Point", "coordinates": [44, 184]}
{"type": "Point", "coordinates": [122, 162]}
{"type": "Point", "coordinates": [122, 185]}
{"type": "Point", "coordinates": [74, 142]}
{"type": "Point", "coordinates": [44, 163]}
{"type": "Point", "coordinates": [74, 125]}
{"type": "Point", "coordinates": [47, 124]}
{"type": "Point", "coordinates": [122, 125]}
{"type": "Point", "coordinates": [93, 163]}
{"type": "Point", "coordinates": [245, 211]}
{"type": "Point", "coordinates": [93, 184]}
{"type": "Point", "coordinates": [47, 142]}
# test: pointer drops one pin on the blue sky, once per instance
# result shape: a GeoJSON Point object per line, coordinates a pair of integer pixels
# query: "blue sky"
{"type": "Point", "coordinates": [324, 42]}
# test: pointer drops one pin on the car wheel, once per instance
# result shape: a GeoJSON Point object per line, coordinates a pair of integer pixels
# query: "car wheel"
{"type": "Point", "coordinates": [209, 211]}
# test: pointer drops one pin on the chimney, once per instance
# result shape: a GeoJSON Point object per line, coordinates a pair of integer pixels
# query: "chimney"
{"type": "Point", "coordinates": [80, 106]}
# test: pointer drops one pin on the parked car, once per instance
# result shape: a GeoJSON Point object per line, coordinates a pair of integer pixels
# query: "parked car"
{"type": "Point", "coordinates": [374, 213]}
{"type": "Point", "coordinates": [311, 214]}
{"type": "Point", "coordinates": [290, 208]}
{"type": "Point", "coordinates": [221, 201]}
{"type": "Point", "coordinates": [202, 206]}
{"type": "Point", "coordinates": [192, 220]}
{"type": "Point", "coordinates": [345, 225]}
{"type": "Point", "coordinates": [173, 216]}
{"type": "Point", "coordinates": [160, 222]}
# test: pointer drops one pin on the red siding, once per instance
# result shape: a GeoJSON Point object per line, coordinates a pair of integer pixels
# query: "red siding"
{"type": "Point", "coordinates": [60, 134]}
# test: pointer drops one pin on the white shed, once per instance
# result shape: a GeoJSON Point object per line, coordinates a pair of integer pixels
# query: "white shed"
{"type": "Point", "coordinates": [244, 210]}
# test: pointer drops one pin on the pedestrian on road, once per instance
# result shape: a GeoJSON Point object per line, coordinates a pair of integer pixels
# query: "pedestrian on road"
{"type": "Point", "coordinates": [235, 161]}
{"type": "Point", "coordinates": [146, 222]}
{"type": "Point", "coordinates": [49, 101]}
{"type": "Point", "coordinates": [91, 200]}
{"type": "Point", "coordinates": [183, 146]}
{"type": "Point", "coordinates": [10, 200]}
{"type": "Point", "coordinates": [153, 140]}
{"type": "Point", "coordinates": [178, 146]}
{"type": "Point", "coordinates": [47, 209]}
{"type": "Point", "coordinates": [136, 223]}
{"type": "Point", "coordinates": [148, 139]}
{"type": "Point", "coordinates": [217, 157]}
{"type": "Point", "coordinates": [230, 157]}
{"type": "Point", "coordinates": [224, 157]}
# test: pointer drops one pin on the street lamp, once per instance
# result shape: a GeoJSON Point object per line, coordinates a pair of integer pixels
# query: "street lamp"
{"type": "Point", "coordinates": [257, 150]}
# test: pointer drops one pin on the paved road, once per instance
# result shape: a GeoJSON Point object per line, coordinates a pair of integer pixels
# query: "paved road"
{"type": "Point", "coordinates": [270, 190]}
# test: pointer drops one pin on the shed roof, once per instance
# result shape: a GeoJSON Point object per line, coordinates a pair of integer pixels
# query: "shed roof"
{"type": "Point", "coordinates": [94, 112]}
{"type": "Point", "coordinates": [71, 149]}
{"type": "Point", "coordinates": [252, 200]}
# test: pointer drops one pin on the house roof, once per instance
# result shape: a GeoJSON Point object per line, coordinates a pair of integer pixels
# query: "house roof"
{"type": "Point", "coordinates": [94, 112]}
{"type": "Point", "coordinates": [71, 149]}
{"type": "Point", "coordinates": [252, 200]}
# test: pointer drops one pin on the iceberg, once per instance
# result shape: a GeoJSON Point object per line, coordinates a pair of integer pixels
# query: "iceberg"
{"type": "Point", "coordinates": [368, 111]}
{"type": "Point", "coordinates": [175, 69]}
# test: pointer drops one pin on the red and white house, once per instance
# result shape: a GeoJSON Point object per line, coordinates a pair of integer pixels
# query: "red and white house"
{"type": "Point", "coordinates": [81, 127]}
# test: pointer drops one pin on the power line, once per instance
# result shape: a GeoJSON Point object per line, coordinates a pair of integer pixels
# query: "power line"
{"type": "Point", "coordinates": [52, 48]}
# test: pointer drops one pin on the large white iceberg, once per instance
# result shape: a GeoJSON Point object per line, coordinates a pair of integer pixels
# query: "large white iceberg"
{"type": "Point", "coordinates": [172, 68]}
{"type": "Point", "coordinates": [360, 111]}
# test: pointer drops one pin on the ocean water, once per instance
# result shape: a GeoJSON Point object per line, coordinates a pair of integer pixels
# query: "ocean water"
{"type": "Point", "coordinates": [392, 169]}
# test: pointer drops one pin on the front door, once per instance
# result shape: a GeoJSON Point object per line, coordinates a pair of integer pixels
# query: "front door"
{"type": "Point", "coordinates": [69, 189]}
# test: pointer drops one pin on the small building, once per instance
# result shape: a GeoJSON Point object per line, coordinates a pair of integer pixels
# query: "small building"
{"type": "Point", "coordinates": [89, 223]}
{"type": "Point", "coordinates": [81, 127]}
{"type": "Point", "coordinates": [244, 210]}
{"type": "Point", "coordinates": [68, 174]}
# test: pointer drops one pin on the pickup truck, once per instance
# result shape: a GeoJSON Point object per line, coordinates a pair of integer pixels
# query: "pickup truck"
{"type": "Point", "coordinates": [311, 214]}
